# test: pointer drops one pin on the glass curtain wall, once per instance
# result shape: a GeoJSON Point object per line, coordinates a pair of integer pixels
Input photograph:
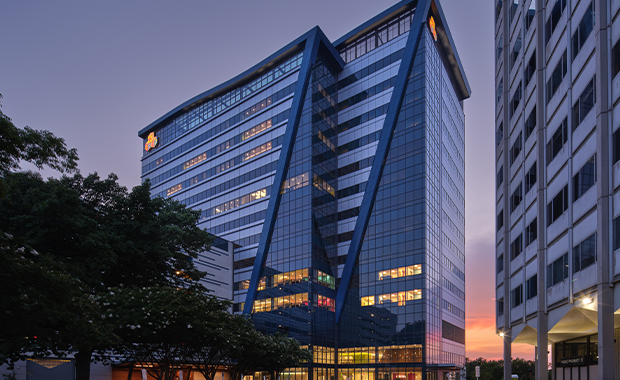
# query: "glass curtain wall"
{"type": "Point", "coordinates": [381, 334]}
{"type": "Point", "coordinates": [297, 294]}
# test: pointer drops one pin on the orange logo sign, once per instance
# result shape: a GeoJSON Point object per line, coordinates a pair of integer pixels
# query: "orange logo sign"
{"type": "Point", "coordinates": [151, 142]}
{"type": "Point", "coordinates": [431, 24]}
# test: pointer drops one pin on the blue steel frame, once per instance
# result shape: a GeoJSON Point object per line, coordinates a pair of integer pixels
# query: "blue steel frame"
{"type": "Point", "coordinates": [316, 39]}
{"type": "Point", "coordinates": [383, 148]}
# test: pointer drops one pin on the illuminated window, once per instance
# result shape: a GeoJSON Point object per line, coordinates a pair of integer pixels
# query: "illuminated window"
{"type": "Point", "coordinates": [357, 355]}
{"type": "Point", "coordinates": [240, 201]}
{"type": "Point", "coordinates": [174, 189]}
{"type": "Point", "coordinates": [290, 277]}
{"type": "Point", "coordinates": [295, 183]}
{"type": "Point", "coordinates": [410, 270]}
{"type": "Point", "coordinates": [321, 184]}
{"type": "Point", "coordinates": [322, 355]}
{"type": "Point", "coordinates": [262, 284]}
{"type": "Point", "coordinates": [401, 297]}
{"type": "Point", "coordinates": [326, 141]}
{"type": "Point", "coordinates": [262, 306]}
{"type": "Point", "coordinates": [256, 130]}
{"type": "Point", "coordinates": [400, 354]}
{"type": "Point", "coordinates": [244, 285]}
{"type": "Point", "coordinates": [325, 279]}
{"type": "Point", "coordinates": [368, 301]}
{"type": "Point", "coordinates": [292, 300]}
{"type": "Point", "coordinates": [256, 151]}
{"type": "Point", "coordinates": [194, 161]}
{"type": "Point", "coordinates": [325, 302]}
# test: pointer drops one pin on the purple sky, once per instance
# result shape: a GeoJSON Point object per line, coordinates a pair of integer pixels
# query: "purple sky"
{"type": "Point", "coordinates": [97, 72]}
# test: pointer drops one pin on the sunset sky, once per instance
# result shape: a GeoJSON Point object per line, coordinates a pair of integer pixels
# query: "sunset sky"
{"type": "Point", "coordinates": [97, 72]}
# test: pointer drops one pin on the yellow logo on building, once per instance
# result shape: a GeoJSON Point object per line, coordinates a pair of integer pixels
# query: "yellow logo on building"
{"type": "Point", "coordinates": [151, 142]}
{"type": "Point", "coordinates": [431, 24]}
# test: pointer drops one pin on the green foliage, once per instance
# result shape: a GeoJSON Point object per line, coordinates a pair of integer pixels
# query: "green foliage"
{"type": "Point", "coordinates": [10, 376]}
{"type": "Point", "coordinates": [160, 324]}
{"type": "Point", "coordinates": [89, 235]}
{"type": "Point", "coordinates": [38, 147]}
{"type": "Point", "coordinates": [494, 369]}
{"type": "Point", "coordinates": [283, 352]}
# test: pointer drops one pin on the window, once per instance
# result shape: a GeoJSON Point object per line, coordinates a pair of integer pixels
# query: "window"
{"type": "Point", "coordinates": [554, 18]}
{"type": "Point", "coordinates": [515, 198]}
{"type": "Point", "coordinates": [516, 247]}
{"type": "Point", "coordinates": [500, 48]}
{"type": "Point", "coordinates": [530, 178]}
{"type": "Point", "coordinates": [500, 176]}
{"type": "Point", "coordinates": [531, 232]}
{"type": "Point", "coordinates": [615, 59]}
{"type": "Point", "coordinates": [500, 306]}
{"type": "Point", "coordinates": [513, 9]}
{"type": "Point", "coordinates": [516, 149]}
{"type": "Point", "coordinates": [559, 138]}
{"type": "Point", "coordinates": [516, 100]}
{"type": "Point", "coordinates": [530, 69]}
{"type": "Point", "coordinates": [557, 271]}
{"type": "Point", "coordinates": [498, 9]}
{"type": "Point", "coordinates": [584, 254]}
{"type": "Point", "coordinates": [516, 296]}
{"type": "Point", "coordinates": [529, 15]}
{"type": "Point", "coordinates": [616, 233]}
{"type": "Point", "coordinates": [500, 90]}
{"type": "Point", "coordinates": [500, 263]}
{"type": "Point", "coordinates": [400, 272]}
{"type": "Point", "coordinates": [514, 54]}
{"type": "Point", "coordinates": [557, 206]}
{"type": "Point", "coordinates": [584, 103]}
{"type": "Point", "coordinates": [531, 287]}
{"type": "Point", "coordinates": [556, 77]}
{"type": "Point", "coordinates": [583, 30]}
{"type": "Point", "coordinates": [616, 146]}
{"type": "Point", "coordinates": [499, 135]}
{"type": "Point", "coordinates": [500, 219]}
{"type": "Point", "coordinates": [585, 178]}
{"type": "Point", "coordinates": [325, 279]}
{"type": "Point", "coordinates": [530, 123]}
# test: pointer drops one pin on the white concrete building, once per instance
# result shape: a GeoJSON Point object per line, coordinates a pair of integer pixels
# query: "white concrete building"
{"type": "Point", "coordinates": [558, 183]}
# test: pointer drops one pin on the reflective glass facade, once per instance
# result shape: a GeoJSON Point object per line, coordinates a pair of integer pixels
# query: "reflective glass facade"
{"type": "Point", "coordinates": [403, 312]}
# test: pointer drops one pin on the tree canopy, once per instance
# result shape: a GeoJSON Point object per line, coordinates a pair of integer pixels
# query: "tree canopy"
{"type": "Point", "coordinates": [90, 268]}
{"type": "Point", "coordinates": [39, 147]}
{"type": "Point", "coordinates": [494, 369]}
{"type": "Point", "coordinates": [92, 234]}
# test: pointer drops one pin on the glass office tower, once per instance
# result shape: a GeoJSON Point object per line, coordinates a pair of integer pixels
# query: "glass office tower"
{"type": "Point", "coordinates": [337, 172]}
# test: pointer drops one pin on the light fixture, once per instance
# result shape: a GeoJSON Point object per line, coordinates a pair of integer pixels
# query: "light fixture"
{"type": "Point", "coordinates": [587, 301]}
{"type": "Point", "coordinates": [501, 334]}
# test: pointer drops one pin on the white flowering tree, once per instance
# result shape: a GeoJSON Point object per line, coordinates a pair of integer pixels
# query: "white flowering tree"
{"type": "Point", "coordinates": [161, 326]}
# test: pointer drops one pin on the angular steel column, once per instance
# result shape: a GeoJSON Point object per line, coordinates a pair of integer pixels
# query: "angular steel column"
{"type": "Point", "coordinates": [383, 148]}
{"type": "Point", "coordinates": [314, 40]}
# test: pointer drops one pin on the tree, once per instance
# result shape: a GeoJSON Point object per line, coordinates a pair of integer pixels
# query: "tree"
{"type": "Point", "coordinates": [494, 369]}
{"type": "Point", "coordinates": [245, 351]}
{"type": "Point", "coordinates": [38, 147]}
{"type": "Point", "coordinates": [489, 369]}
{"type": "Point", "coordinates": [523, 368]}
{"type": "Point", "coordinates": [160, 325]}
{"type": "Point", "coordinates": [220, 340]}
{"type": "Point", "coordinates": [102, 236]}
{"type": "Point", "coordinates": [282, 352]}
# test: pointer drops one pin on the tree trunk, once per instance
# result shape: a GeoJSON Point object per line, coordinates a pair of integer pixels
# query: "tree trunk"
{"type": "Point", "coordinates": [130, 374]}
{"type": "Point", "coordinates": [82, 364]}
